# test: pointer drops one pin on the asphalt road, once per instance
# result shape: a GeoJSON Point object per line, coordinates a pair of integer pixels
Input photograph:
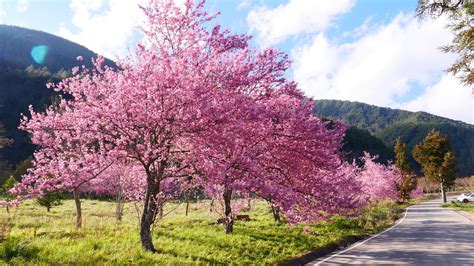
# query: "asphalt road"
{"type": "Point", "coordinates": [428, 235]}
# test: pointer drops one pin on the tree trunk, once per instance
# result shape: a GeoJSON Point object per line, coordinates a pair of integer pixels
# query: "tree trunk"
{"type": "Point", "coordinates": [150, 210]}
{"type": "Point", "coordinates": [119, 208]}
{"type": "Point", "coordinates": [229, 221]}
{"type": "Point", "coordinates": [160, 210]}
{"type": "Point", "coordinates": [77, 200]}
{"type": "Point", "coordinates": [276, 213]}
{"type": "Point", "coordinates": [47, 208]}
{"type": "Point", "coordinates": [187, 207]}
{"type": "Point", "coordinates": [249, 203]}
{"type": "Point", "coordinates": [8, 209]}
{"type": "Point", "coordinates": [443, 193]}
{"type": "Point", "coordinates": [211, 206]}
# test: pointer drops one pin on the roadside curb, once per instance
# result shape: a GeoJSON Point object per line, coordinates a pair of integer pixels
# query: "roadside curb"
{"type": "Point", "coordinates": [321, 252]}
{"type": "Point", "coordinates": [341, 246]}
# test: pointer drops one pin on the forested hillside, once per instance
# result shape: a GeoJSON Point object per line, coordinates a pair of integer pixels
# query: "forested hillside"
{"type": "Point", "coordinates": [29, 59]}
{"type": "Point", "coordinates": [357, 141]}
{"type": "Point", "coordinates": [18, 90]}
{"type": "Point", "coordinates": [388, 124]}
{"type": "Point", "coordinates": [20, 47]}
{"type": "Point", "coordinates": [24, 72]}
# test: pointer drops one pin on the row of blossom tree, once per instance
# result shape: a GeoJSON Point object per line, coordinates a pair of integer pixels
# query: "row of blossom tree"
{"type": "Point", "coordinates": [196, 105]}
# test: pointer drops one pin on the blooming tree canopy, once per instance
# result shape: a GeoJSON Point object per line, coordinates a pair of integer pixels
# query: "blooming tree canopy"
{"type": "Point", "coordinates": [191, 101]}
{"type": "Point", "coordinates": [379, 182]}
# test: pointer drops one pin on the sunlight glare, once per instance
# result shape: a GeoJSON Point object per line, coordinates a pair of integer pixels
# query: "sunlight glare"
{"type": "Point", "coordinates": [39, 53]}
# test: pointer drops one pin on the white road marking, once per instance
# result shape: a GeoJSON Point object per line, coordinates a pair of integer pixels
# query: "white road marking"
{"type": "Point", "coordinates": [360, 243]}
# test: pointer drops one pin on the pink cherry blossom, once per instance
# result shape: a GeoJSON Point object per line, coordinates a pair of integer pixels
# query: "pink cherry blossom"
{"type": "Point", "coordinates": [379, 182]}
{"type": "Point", "coordinates": [193, 100]}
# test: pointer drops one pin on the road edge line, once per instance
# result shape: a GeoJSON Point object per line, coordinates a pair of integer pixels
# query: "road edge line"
{"type": "Point", "coordinates": [364, 241]}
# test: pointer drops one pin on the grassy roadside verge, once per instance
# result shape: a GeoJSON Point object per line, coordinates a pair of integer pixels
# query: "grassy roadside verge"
{"type": "Point", "coordinates": [468, 207]}
{"type": "Point", "coordinates": [30, 235]}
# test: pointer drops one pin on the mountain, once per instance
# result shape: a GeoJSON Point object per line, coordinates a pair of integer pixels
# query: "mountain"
{"type": "Point", "coordinates": [19, 89]}
{"type": "Point", "coordinates": [30, 59]}
{"type": "Point", "coordinates": [357, 141]}
{"type": "Point", "coordinates": [387, 124]}
{"type": "Point", "coordinates": [20, 48]}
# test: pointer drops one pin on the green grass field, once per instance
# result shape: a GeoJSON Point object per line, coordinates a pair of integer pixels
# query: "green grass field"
{"type": "Point", "coordinates": [30, 235]}
{"type": "Point", "coordinates": [469, 207]}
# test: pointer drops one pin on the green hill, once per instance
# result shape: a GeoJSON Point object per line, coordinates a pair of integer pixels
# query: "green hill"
{"type": "Point", "coordinates": [357, 140]}
{"type": "Point", "coordinates": [18, 90]}
{"type": "Point", "coordinates": [20, 47]}
{"type": "Point", "coordinates": [29, 59]}
{"type": "Point", "coordinates": [387, 124]}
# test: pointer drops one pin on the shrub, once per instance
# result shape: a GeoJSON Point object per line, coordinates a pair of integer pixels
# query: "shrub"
{"type": "Point", "coordinates": [14, 248]}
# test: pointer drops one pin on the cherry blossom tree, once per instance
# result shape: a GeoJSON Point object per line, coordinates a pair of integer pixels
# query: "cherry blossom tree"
{"type": "Point", "coordinates": [69, 158]}
{"type": "Point", "coordinates": [379, 182]}
{"type": "Point", "coordinates": [180, 83]}
{"type": "Point", "coordinates": [305, 177]}
{"type": "Point", "coordinates": [417, 192]}
{"type": "Point", "coordinates": [191, 100]}
{"type": "Point", "coordinates": [124, 181]}
{"type": "Point", "coordinates": [286, 156]}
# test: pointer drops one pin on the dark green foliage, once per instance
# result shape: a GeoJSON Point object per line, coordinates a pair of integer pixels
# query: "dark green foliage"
{"type": "Point", "coordinates": [461, 138]}
{"type": "Point", "coordinates": [5, 190]}
{"type": "Point", "coordinates": [4, 141]}
{"type": "Point", "coordinates": [9, 183]}
{"type": "Point", "coordinates": [5, 167]}
{"type": "Point", "coordinates": [409, 180]}
{"type": "Point", "coordinates": [14, 248]}
{"type": "Point", "coordinates": [401, 156]}
{"type": "Point", "coordinates": [5, 170]}
{"type": "Point", "coordinates": [22, 168]}
{"type": "Point", "coordinates": [437, 159]}
{"type": "Point", "coordinates": [51, 199]}
{"type": "Point", "coordinates": [432, 153]}
{"type": "Point", "coordinates": [461, 24]}
{"type": "Point", "coordinates": [374, 118]}
{"type": "Point", "coordinates": [23, 82]}
{"type": "Point", "coordinates": [356, 141]}
{"type": "Point", "coordinates": [388, 124]}
{"type": "Point", "coordinates": [18, 90]}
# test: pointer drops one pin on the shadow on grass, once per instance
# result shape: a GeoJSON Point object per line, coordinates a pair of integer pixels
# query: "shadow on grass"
{"type": "Point", "coordinates": [15, 248]}
{"type": "Point", "coordinates": [71, 234]}
{"type": "Point", "coordinates": [246, 237]}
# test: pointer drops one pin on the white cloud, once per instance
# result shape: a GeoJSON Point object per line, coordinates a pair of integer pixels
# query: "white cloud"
{"type": "Point", "coordinates": [446, 98]}
{"type": "Point", "coordinates": [383, 65]}
{"type": "Point", "coordinates": [107, 27]}
{"type": "Point", "coordinates": [244, 4]}
{"type": "Point", "coordinates": [294, 18]}
{"type": "Point", "coordinates": [104, 26]}
{"type": "Point", "coordinates": [2, 13]}
{"type": "Point", "coordinates": [22, 5]}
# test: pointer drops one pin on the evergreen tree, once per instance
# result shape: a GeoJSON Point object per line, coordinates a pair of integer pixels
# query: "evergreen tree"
{"type": "Point", "coordinates": [50, 199]}
{"type": "Point", "coordinates": [9, 184]}
{"type": "Point", "coordinates": [409, 181]}
{"type": "Point", "coordinates": [5, 167]}
{"type": "Point", "coordinates": [437, 160]}
{"type": "Point", "coordinates": [22, 168]}
{"type": "Point", "coordinates": [4, 142]}
{"type": "Point", "coordinates": [461, 24]}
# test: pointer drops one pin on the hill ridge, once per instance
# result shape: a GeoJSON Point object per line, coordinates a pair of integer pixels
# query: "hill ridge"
{"type": "Point", "coordinates": [387, 124]}
{"type": "Point", "coordinates": [21, 47]}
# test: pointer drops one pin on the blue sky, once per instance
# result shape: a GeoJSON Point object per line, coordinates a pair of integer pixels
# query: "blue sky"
{"type": "Point", "coordinates": [372, 51]}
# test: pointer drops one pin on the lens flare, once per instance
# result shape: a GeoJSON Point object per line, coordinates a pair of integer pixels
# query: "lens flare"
{"type": "Point", "coordinates": [39, 53]}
